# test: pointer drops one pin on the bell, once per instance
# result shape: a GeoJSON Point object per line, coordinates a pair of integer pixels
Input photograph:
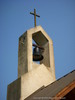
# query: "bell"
{"type": "Point", "coordinates": [37, 54]}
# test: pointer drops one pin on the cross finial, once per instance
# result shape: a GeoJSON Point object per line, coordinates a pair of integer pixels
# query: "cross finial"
{"type": "Point", "coordinates": [35, 15]}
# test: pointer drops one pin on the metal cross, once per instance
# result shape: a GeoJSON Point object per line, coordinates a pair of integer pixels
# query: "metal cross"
{"type": "Point", "coordinates": [35, 15]}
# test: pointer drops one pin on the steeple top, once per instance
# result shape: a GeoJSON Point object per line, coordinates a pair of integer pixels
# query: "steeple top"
{"type": "Point", "coordinates": [35, 15]}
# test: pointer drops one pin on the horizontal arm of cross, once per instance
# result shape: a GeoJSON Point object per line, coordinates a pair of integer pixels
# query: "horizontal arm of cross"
{"type": "Point", "coordinates": [34, 14]}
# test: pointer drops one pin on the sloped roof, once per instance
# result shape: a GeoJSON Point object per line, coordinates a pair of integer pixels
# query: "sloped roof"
{"type": "Point", "coordinates": [54, 88]}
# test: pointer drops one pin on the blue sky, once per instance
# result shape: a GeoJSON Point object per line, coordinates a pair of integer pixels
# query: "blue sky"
{"type": "Point", "coordinates": [57, 17]}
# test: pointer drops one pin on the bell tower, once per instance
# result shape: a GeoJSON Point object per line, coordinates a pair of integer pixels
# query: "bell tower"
{"type": "Point", "coordinates": [25, 52]}
{"type": "Point", "coordinates": [33, 76]}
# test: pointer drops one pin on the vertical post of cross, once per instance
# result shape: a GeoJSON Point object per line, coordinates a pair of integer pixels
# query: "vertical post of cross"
{"type": "Point", "coordinates": [34, 17]}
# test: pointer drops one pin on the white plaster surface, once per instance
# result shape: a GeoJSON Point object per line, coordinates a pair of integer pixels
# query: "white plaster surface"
{"type": "Point", "coordinates": [30, 82]}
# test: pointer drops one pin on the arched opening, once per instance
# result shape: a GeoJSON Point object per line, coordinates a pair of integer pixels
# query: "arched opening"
{"type": "Point", "coordinates": [40, 40]}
